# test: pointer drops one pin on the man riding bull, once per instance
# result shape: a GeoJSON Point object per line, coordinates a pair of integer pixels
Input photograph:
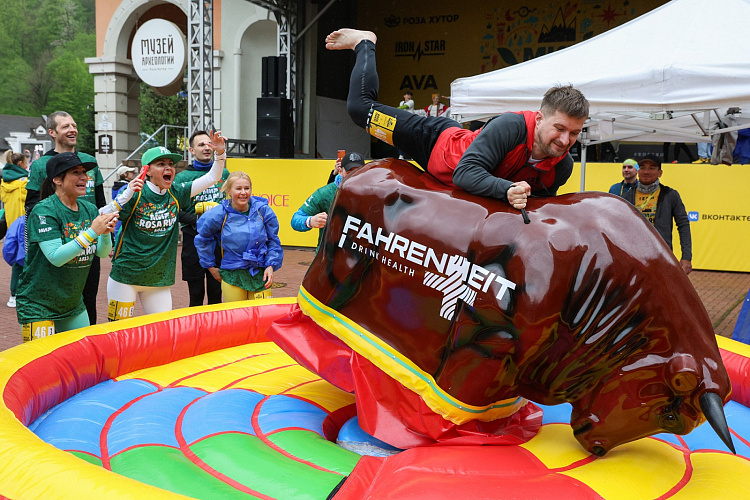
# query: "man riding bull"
{"type": "Point", "coordinates": [513, 156]}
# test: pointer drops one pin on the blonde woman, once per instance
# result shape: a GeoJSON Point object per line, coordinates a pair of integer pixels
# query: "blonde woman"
{"type": "Point", "coordinates": [246, 230]}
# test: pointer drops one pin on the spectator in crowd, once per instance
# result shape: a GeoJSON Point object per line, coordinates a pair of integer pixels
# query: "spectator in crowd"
{"type": "Point", "coordinates": [145, 254]}
{"type": "Point", "coordinates": [201, 283]}
{"type": "Point", "coordinates": [13, 195]}
{"type": "Point", "coordinates": [704, 152]}
{"type": "Point", "coordinates": [437, 108]}
{"type": "Point", "coordinates": [678, 147]}
{"type": "Point", "coordinates": [64, 233]}
{"type": "Point", "coordinates": [661, 204]}
{"type": "Point", "coordinates": [742, 149]}
{"type": "Point", "coordinates": [513, 156]}
{"type": "Point", "coordinates": [408, 102]}
{"type": "Point", "coordinates": [629, 178]}
{"type": "Point", "coordinates": [336, 166]}
{"type": "Point", "coordinates": [314, 212]}
{"type": "Point", "coordinates": [124, 175]}
{"type": "Point", "coordinates": [64, 131]}
{"type": "Point", "coordinates": [246, 231]}
{"type": "Point", "coordinates": [14, 253]}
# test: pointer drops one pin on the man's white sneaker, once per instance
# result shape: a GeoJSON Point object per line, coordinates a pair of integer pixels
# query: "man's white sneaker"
{"type": "Point", "coordinates": [11, 301]}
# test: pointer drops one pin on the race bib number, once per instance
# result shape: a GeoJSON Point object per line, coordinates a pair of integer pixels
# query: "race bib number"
{"type": "Point", "coordinates": [37, 330]}
{"type": "Point", "coordinates": [120, 310]}
{"type": "Point", "coordinates": [381, 126]}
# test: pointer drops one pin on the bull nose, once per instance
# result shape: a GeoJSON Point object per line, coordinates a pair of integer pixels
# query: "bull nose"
{"type": "Point", "coordinates": [584, 428]}
{"type": "Point", "coordinates": [599, 451]}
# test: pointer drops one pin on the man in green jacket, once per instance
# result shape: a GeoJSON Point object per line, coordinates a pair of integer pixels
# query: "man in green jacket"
{"type": "Point", "coordinates": [200, 282]}
{"type": "Point", "coordinates": [314, 212]}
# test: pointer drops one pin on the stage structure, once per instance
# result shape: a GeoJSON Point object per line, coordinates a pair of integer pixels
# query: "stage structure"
{"type": "Point", "coordinates": [200, 71]}
{"type": "Point", "coordinates": [223, 42]}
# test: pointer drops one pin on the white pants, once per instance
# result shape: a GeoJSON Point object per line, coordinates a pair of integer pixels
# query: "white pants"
{"type": "Point", "coordinates": [154, 299]}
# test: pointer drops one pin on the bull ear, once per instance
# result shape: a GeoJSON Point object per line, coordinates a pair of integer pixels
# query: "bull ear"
{"type": "Point", "coordinates": [682, 374]}
{"type": "Point", "coordinates": [713, 408]}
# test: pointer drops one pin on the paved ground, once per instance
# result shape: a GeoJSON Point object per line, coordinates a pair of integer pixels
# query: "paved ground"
{"type": "Point", "coordinates": [722, 293]}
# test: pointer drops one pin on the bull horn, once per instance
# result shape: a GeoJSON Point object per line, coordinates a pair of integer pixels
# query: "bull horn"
{"type": "Point", "coordinates": [713, 408]}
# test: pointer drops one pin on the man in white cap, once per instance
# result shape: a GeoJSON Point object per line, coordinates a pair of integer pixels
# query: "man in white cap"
{"type": "Point", "coordinates": [629, 179]}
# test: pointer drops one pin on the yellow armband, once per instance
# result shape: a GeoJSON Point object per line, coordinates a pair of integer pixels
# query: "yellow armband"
{"type": "Point", "coordinates": [204, 206]}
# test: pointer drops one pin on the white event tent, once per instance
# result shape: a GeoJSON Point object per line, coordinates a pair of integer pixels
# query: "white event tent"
{"type": "Point", "coordinates": [665, 76]}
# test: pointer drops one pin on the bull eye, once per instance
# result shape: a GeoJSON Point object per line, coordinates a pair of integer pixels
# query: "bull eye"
{"type": "Point", "coordinates": [669, 422]}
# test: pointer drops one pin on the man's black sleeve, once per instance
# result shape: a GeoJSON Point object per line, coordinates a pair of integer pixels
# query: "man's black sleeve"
{"type": "Point", "coordinates": [3, 226]}
{"type": "Point", "coordinates": [99, 196]}
{"type": "Point", "coordinates": [497, 138]}
{"type": "Point", "coordinates": [32, 198]}
{"type": "Point", "coordinates": [187, 218]}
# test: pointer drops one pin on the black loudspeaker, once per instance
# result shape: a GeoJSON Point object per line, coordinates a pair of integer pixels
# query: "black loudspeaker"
{"type": "Point", "coordinates": [275, 128]}
{"type": "Point", "coordinates": [274, 107]}
{"type": "Point", "coordinates": [274, 76]}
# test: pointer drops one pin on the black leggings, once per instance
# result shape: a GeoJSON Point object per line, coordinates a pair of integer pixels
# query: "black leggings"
{"type": "Point", "coordinates": [91, 289]}
{"type": "Point", "coordinates": [413, 134]}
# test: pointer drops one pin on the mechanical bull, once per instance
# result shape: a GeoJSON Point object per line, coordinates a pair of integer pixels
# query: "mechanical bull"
{"type": "Point", "coordinates": [458, 301]}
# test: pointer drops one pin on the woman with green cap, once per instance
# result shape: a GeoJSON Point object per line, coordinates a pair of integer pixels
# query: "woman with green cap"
{"type": "Point", "coordinates": [64, 233]}
{"type": "Point", "coordinates": [143, 263]}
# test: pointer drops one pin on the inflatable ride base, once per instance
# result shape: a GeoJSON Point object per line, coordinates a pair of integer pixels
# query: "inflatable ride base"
{"type": "Point", "coordinates": [198, 404]}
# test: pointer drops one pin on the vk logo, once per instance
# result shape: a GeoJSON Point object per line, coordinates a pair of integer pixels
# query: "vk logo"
{"type": "Point", "coordinates": [693, 216]}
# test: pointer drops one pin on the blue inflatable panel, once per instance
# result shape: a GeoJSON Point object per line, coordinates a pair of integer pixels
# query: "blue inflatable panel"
{"type": "Point", "coordinates": [558, 414]}
{"type": "Point", "coordinates": [151, 420]}
{"type": "Point", "coordinates": [353, 438]}
{"type": "Point", "coordinates": [229, 410]}
{"type": "Point", "coordinates": [280, 412]}
{"type": "Point", "coordinates": [90, 410]}
{"type": "Point", "coordinates": [741, 331]}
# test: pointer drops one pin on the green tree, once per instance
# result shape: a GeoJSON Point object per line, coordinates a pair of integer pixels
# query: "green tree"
{"type": "Point", "coordinates": [44, 45]}
{"type": "Point", "coordinates": [73, 86]}
{"type": "Point", "coordinates": [158, 110]}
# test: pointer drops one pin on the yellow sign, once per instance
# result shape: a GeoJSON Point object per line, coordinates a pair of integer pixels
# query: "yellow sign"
{"type": "Point", "coordinates": [719, 225]}
{"type": "Point", "coordinates": [286, 184]}
{"type": "Point", "coordinates": [423, 47]}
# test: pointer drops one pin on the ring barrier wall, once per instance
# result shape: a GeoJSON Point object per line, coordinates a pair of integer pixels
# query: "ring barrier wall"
{"type": "Point", "coordinates": [190, 355]}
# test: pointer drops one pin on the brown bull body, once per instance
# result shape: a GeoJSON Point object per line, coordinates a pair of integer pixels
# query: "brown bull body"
{"type": "Point", "coordinates": [586, 304]}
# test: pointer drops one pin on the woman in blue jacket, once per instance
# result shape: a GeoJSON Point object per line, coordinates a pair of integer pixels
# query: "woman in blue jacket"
{"type": "Point", "coordinates": [247, 232]}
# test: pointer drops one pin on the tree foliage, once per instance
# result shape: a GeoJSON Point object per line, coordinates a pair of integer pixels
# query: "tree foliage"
{"type": "Point", "coordinates": [44, 45]}
{"type": "Point", "coordinates": [158, 110]}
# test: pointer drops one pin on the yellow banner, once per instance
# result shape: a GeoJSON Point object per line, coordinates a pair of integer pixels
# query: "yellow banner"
{"type": "Point", "coordinates": [719, 223]}
{"type": "Point", "coordinates": [424, 46]}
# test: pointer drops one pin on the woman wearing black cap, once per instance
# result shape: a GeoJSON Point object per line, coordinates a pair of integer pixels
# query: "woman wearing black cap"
{"type": "Point", "coordinates": [63, 234]}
